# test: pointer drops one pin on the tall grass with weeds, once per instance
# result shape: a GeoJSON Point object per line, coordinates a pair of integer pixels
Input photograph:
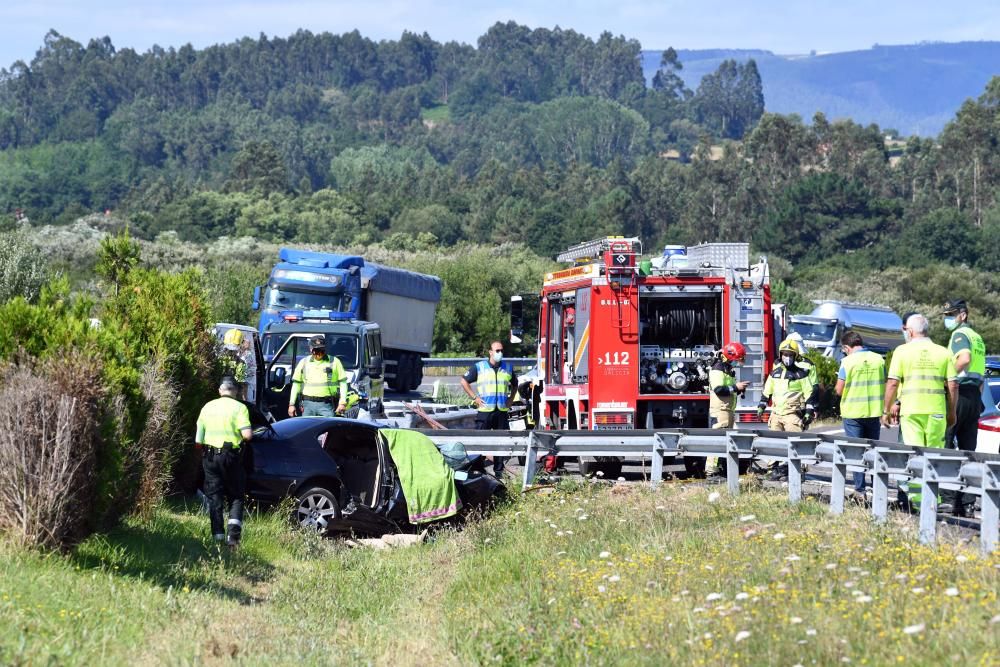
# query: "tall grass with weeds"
{"type": "Point", "coordinates": [589, 574]}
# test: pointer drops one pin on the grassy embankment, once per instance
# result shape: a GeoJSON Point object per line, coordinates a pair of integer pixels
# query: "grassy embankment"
{"type": "Point", "coordinates": [585, 575]}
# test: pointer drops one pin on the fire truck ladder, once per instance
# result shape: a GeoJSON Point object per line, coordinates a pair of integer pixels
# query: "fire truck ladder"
{"type": "Point", "coordinates": [591, 251]}
{"type": "Point", "coordinates": [749, 329]}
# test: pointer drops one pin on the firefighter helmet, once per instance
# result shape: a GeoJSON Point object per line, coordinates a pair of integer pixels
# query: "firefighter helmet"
{"type": "Point", "coordinates": [790, 345]}
{"type": "Point", "coordinates": [233, 339]}
{"type": "Point", "coordinates": [734, 352]}
{"type": "Point", "coordinates": [317, 342]}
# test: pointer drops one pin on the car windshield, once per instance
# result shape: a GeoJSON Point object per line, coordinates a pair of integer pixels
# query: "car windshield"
{"type": "Point", "coordinates": [284, 299]}
{"type": "Point", "coordinates": [344, 347]}
{"type": "Point", "coordinates": [815, 330]}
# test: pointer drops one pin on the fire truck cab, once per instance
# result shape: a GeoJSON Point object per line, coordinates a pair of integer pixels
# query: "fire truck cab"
{"type": "Point", "coordinates": [627, 342]}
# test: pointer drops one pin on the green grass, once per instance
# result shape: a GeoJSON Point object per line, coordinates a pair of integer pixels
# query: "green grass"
{"type": "Point", "coordinates": [587, 574]}
{"type": "Point", "coordinates": [436, 114]}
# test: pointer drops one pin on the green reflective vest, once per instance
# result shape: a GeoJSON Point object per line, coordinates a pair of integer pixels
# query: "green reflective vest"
{"type": "Point", "coordinates": [493, 385]}
{"type": "Point", "coordinates": [922, 368]}
{"type": "Point", "coordinates": [321, 378]}
{"type": "Point", "coordinates": [864, 386]}
{"type": "Point", "coordinates": [977, 354]}
{"type": "Point", "coordinates": [221, 421]}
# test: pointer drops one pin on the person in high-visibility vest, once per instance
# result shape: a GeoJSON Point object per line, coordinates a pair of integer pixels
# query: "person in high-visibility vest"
{"type": "Point", "coordinates": [232, 363]}
{"type": "Point", "coordinates": [223, 431]}
{"type": "Point", "coordinates": [320, 381]}
{"type": "Point", "coordinates": [495, 385]}
{"type": "Point", "coordinates": [923, 374]}
{"type": "Point", "coordinates": [969, 354]}
{"type": "Point", "coordinates": [792, 393]}
{"type": "Point", "coordinates": [723, 390]}
{"type": "Point", "coordinates": [861, 387]}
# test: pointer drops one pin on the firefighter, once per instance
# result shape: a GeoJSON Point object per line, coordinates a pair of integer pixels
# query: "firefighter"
{"type": "Point", "coordinates": [496, 384]}
{"type": "Point", "coordinates": [723, 391]}
{"type": "Point", "coordinates": [924, 375]}
{"type": "Point", "coordinates": [795, 339]}
{"type": "Point", "coordinates": [223, 430]}
{"type": "Point", "coordinates": [969, 354]}
{"type": "Point", "coordinates": [232, 363]}
{"type": "Point", "coordinates": [792, 393]}
{"type": "Point", "coordinates": [321, 382]}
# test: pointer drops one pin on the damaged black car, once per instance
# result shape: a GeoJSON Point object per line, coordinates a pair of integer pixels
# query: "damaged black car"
{"type": "Point", "coordinates": [357, 477]}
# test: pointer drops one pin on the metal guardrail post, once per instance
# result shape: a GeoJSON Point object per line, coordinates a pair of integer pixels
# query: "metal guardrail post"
{"type": "Point", "coordinates": [886, 461]}
{"type": "Point", "coordinates": [989, 529]}
{"type": "Point", "coordinates": [661, 443]}
{"type": "Point", "coordinates": [799, 450]}
{"type": "Point", "coordinates": [934, 468]}
{"type": "Point", "coordinates": [844, 454]}
{"type": "Point", "coordinates": [737, 443]}
{"type": "Point", "coordinates": [530, 460]}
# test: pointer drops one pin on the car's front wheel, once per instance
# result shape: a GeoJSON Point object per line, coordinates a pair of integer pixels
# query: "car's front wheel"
{"type": "Point", "coordinates": [316, 509]}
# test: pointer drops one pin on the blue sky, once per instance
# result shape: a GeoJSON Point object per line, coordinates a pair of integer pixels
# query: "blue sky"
{"type": "Point", "coordinates": [782, 27]}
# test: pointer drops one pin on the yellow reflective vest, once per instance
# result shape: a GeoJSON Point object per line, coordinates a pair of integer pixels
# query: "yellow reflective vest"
{"type": "Point", "coordinates": [221, 421]}
{"type": "Point", "coordinates": [864, 385]}
{"type": "Point", "coordinates": [322, 379]}
{"type": "Point", "coordinates": [922, 368]}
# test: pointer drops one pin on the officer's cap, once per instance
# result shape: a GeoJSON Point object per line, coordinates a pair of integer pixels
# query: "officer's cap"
{"type": "Point", "coordinates": [956, 306]}
{"type": "Point", "coordinates": [317, 342]}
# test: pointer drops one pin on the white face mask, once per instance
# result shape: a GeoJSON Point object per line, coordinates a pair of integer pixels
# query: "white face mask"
{"type": "Point", "coordinates": [787, 359]}
{"type": "Point", "coordinates": [906, 335]}
{"type": "Point", "coordinates": [950, 323]}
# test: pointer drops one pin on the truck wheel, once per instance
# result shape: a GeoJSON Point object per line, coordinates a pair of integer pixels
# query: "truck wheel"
{"type": "Point", "coordinates": [418, 372]}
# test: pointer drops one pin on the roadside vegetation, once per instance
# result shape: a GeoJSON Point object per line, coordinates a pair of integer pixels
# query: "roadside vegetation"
{"type": "Point", "coordinates": [590, 574]}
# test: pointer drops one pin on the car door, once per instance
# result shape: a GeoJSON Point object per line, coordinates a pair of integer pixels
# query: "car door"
{"type": "Point", "coordinates": [278, 374]}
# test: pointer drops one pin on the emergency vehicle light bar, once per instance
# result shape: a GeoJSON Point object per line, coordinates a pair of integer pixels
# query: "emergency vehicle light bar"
{"type": "Point", "coordinates": [594, 250]}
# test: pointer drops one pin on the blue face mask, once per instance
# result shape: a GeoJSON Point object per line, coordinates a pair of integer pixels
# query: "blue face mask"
{"type": "Point", "coordinates": [498, 356]}
{"type": "Point", "coordinates": [950, 323]}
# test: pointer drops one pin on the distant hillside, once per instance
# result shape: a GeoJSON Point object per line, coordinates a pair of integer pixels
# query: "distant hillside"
{"type": "Point", "coordinates": [915, 89]}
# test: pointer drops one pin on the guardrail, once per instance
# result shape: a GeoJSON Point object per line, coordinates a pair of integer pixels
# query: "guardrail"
{"type": "Point", "coordinates": [934, 469]}
{"type": "Point", "coordinates": [465, 362]}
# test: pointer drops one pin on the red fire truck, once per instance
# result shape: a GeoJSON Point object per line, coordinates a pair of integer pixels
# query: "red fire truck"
{"type": "Point", "coordinates": [626, 342]}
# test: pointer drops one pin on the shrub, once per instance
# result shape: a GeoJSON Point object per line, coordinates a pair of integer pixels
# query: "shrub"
{"type": "Point", "coordinates": [50, 417]}
{"type": "Point", "coordinates": [22, 271]}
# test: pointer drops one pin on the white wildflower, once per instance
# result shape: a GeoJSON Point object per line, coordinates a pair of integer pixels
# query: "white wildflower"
{"type": "Point", "coordinates": [795, 620]}
{"type": "Point", "coordinates": [779, 536]}
{"type": "Point", "coordinates": [601, 589]}
{"type": "Point", "coordinates": [792, 558]}
{"type": "Point", "coordinates": [811, 632]}
{"type": "Point", "coordinates": [713, 496]}
{"type": "Point", "coordinates": [613, 578]}
{"type": "Point", "coordinates": [747, 517]}
{"type": "Point", "coordinates": [604, 554]}
{"type": "Point", "coordinates": [712, 597]}
{"type": "Point", "coordinates": [951, 592]}
{"type": "Point", "coordinates": [582, 517]}
{"type": "Point", "coordinates": [742, 596]}
{"type": "Point", "coordinates": [551, 601]}
{"type": "Point", "coordinates": [918, 590]}
{"type": "Point", "coordinates": [961, 558]}
{"type": "Point", "coordinates": [864, 598]}
{"type": "Point", "coordinates": [741, 635]}
{"type": "Point", "coordinates": [913, 629]}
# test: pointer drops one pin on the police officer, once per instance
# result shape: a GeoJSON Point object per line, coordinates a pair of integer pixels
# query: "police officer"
{"type": "Point", "coordinates": [223, 428]}
{"type": "Point", "coordinates": [496, 384]}
{"type": "Point", "coordinates": [320, 381]}
{"type": "Point", "coordinates": [861, 387]}
{"type": "Point", "coordinates": [924, 375]}
{"type": "Point", "coordinates": [969, 354]}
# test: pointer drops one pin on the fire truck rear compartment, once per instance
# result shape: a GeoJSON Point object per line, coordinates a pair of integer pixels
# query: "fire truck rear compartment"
{"type": "Point", "coordinates": [679, 337]}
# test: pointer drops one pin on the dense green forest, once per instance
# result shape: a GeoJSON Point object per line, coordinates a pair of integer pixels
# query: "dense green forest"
{"type": "Point", "coordinates": [539, 138]}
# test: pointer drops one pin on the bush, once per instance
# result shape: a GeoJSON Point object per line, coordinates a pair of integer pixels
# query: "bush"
{"type": "Point", "coordinates": [22, 270]}
{"type": "Point", "coordinates": [50, 418]}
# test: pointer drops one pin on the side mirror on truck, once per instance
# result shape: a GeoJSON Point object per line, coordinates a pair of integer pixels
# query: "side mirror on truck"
{"type": "Point", "coordinates": [277, 379]}
{"type": "Point", "coordinates": [256, 298]}
{"type": "Point", "coordinates": [375, 368]}
{"type": "Point", "coordinates": [516, 319]}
